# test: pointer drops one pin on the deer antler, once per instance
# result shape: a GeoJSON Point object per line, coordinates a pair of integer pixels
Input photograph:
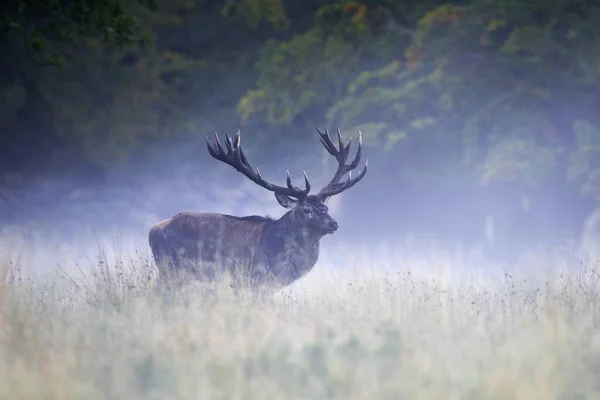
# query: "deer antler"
{"type": "Point", "coordinates": [341, 155]}
{"type": "Point", "coordinates": [236, 158]}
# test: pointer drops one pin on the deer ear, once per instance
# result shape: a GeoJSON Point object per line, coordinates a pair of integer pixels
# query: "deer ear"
{"type": "Point", "coordinates": [286, 201]}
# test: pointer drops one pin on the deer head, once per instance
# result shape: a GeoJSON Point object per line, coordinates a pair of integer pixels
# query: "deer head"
{"type": "Point", "coordinates": [309, 210]}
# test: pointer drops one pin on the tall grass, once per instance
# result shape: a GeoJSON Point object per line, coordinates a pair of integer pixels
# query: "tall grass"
{"type": "Point", "coordinates": [405, 330]}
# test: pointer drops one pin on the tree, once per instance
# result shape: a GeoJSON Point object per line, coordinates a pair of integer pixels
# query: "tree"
{"type": "Point", "coordinates": [43, 23]}
{"type": "Point", "coordinates": [486, 82]}
{"type": "Point", "coordinates": [107, 107]}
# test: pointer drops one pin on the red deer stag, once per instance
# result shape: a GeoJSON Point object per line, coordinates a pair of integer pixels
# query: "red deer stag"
{"type": "Point", "coordinates": [266, 251]}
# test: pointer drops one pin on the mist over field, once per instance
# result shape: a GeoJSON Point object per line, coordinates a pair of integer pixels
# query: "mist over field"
{"type": "Point", "coordinates": [466, 263]}
{"type": "Point", "coordinates": [118, 210]}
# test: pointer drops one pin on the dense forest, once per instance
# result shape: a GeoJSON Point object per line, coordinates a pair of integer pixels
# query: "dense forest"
{"type": "Point", "coordinates": [462, 104]}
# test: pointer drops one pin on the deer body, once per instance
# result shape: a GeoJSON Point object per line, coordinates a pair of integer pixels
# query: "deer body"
{"type": "Point", "coordinates": [274, 251]}
{"type": "Point", "coordinates": [269, 251]}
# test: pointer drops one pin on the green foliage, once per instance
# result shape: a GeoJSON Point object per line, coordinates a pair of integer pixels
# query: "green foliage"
{"type": "Point", "coordinates": [109, 102]}
{"type": "Point", "coordinates": [534, 63]}
{"type": "Point", "coordinates": [12, 98]}
{"type": "Point", "coordinates": [255, 11]}
{"type": "Point", "coordinates": [43, 22]}
{"type": "Point", "coordinates": [301, 79]}
{"type": "Point", "coordinates": [462, 74]}
{"type": "Point", "coordinates": [134, 92]}
{"type": "Point", "coordinates": [302, 66]}
{"type": "Point", "coordinates": [493, 90]}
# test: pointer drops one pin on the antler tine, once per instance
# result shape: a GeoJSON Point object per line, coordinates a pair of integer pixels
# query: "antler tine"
{"type": "Point", "coordinates": [237, 140]}
{"type": "Point", "coordinates": [228, 143]}
{"type": "Point", "coordinates": [341, 146]}
{"type": "Point", "coordinates": [238, 145]}
{"type": "Point", "coordinates": [341, 155]}
{"type": "Point", "coordinates": [215, 150]}
{"type": "Point", "coordinates": [339, 187]}
{"type": "Point", "coordinates": [356, 160]}
{"type": "Point", "coordinates": [306, 181]}
{"type": "Point", "coordinates": [236, 158]}
{"type": "Point", "coordinates": [327, 143]}
{"type": "Point", "coordinates": [292, 187]}
{"type": "Point", "coordinates": [345, 148]}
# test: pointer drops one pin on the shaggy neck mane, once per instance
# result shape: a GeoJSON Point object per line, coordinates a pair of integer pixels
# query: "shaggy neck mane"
{"type": "Point", "coordinates": [288, 226]}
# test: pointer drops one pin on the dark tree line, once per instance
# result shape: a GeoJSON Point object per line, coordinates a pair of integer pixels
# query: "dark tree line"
{"type": "Point", "coordinates": [492, 96]}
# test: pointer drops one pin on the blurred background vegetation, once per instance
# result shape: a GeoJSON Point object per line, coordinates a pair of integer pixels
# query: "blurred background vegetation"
{"type": "Point", "coordinates": [473, 104]}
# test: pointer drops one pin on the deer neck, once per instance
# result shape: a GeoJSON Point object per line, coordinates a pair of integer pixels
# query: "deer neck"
{"type": "Point", "coordinates": [303, 235]}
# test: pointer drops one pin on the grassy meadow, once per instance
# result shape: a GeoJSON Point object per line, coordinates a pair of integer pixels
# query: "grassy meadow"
{"type": "Point", "coordinates": [422, 327]}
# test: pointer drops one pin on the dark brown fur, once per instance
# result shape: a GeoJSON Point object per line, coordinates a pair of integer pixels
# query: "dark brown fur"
{"type": "Point", "coordinates": [262, 249]}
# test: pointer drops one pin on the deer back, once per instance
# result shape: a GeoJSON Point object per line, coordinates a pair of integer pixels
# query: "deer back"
{"type": "Point", "coordinates": [210, 237]}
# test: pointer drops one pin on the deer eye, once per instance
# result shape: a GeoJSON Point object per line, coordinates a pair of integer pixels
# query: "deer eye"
{"type": "Point", "coordinates": [307, 211]}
